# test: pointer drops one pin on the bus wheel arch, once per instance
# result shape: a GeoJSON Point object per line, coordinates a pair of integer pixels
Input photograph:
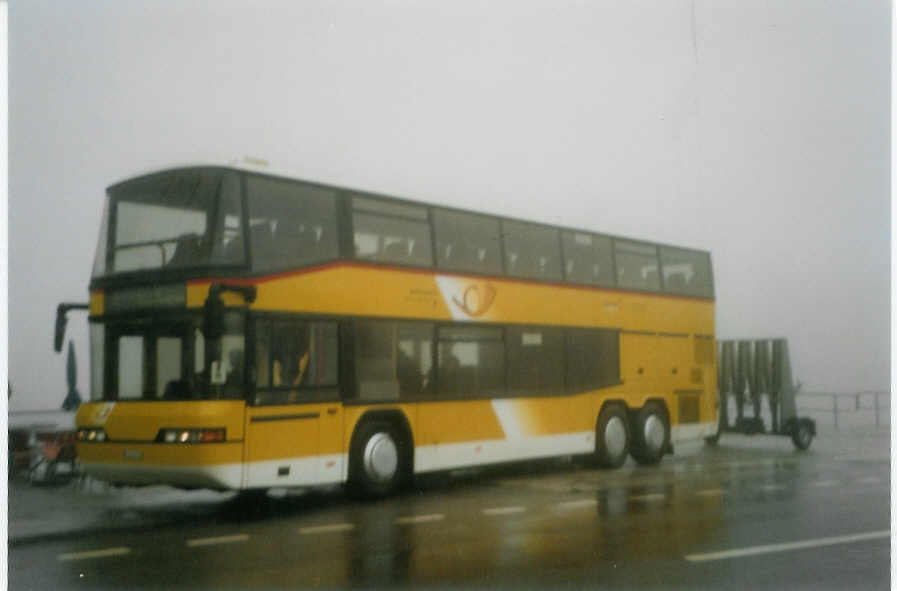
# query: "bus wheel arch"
{"type": "Point", "coordinates": [381, 454]}
{"type": "Point", "coordinates": [612, 435]}
{"type": "Point", "coordinates": [650, 432]}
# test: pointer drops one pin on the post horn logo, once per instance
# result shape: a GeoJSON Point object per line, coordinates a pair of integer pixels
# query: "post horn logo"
{"type": "Point", "coordinates": [476, 299]}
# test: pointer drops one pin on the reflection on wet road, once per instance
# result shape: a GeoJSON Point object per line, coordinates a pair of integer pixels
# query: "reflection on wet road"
{"type": "Point", "coordinates": [708, 518]}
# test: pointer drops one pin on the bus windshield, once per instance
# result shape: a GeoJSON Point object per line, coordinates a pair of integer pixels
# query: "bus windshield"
{"type": "Point", "coordinates": [178, 219]}
{"type": "Point", "coordinates": [167, 358]}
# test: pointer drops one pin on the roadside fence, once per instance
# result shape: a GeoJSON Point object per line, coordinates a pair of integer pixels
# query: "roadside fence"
{"type": "Point", "coordinates": [867, 409]}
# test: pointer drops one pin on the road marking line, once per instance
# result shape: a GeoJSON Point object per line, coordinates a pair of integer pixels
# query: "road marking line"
{"type": "Point", "coordinates": [769, 548]}
{"type": "Point", "coordinates": [119, 551]}
{"type": "Point", "coordinates": [420, 518]}
{"type": "Point", "coordinates": [870, 479]}
{"type": "Point", "coordinates": [711, 492]}
{"type": "Point", "coordinates": [219, 540]}
{"type": "Point", "coordinates": [577, 504]}
{"type": "Point", "coordinates": [322, 529]}
{"type": "Point", "coordinates": [648, 497]}
{"type": "Point", "coordinates": [504, 510]}
{"type": "Point", "coordinates": [821, 483]}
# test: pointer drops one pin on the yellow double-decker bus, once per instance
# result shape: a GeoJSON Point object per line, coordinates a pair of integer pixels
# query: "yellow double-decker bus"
{"type": "Point", "coordinates": [250, 331]}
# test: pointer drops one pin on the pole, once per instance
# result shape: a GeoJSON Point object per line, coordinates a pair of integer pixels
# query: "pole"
{"type": "Point", "coordinates": [835, 404]}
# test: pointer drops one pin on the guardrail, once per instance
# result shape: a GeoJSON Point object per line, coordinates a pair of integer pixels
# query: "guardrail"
{"type": "Point", "coordinates": [848, 408]}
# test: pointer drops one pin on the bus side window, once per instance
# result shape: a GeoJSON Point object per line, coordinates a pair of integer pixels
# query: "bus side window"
{"type": "Point", "coordinates": [593, 358]}
{"type": "Point", "coordinates": [391, 232]}
{"type": "Point", "coordinates": [294, 357]}
{"type": "Point", "coordinates": [393, 359]}
{"type": "Point", "coordinates": [531, 251]}
{"type": "Point", "coordinates": [471, 360]}
{"type": "Point", "coordinates": [637, 265]}
{"type": "Point", "coordinates": [535, 360]}
{"type": "Point", "coordinates": [467, 241]}
{"type": "Point", "coordinates": [291, 224]}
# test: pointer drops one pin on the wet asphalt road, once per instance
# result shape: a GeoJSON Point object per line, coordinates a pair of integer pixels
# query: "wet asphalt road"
{"type": "Point", "coordinates": [789, 520]}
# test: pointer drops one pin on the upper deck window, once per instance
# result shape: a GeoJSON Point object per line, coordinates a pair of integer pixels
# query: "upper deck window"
{"type": "Point", "coordinates": [467, 242]}
{"type": "Point", "coordinates": [637, 266]}
{"type": "Point", "coordinates": [290, 224]}
{"type": "Point", "coordinates": [183, 218]}
{"type": "Point", "coordinates": [391, 232]}
{"type": "Point", "coordinates": [531, 251]}
{"type": "Point", "coordinates": [588, 258]}
{"type": "Point", "coordinates": [686, 272]}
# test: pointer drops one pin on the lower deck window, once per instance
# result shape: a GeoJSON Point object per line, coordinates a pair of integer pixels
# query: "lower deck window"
{"type": "Point", "coordinates": [294, 359]}
{"type": "Point", "coordinates": [593, 358]}
{"type": "Point", "coordinates": [471, 361]}
{"type": "Point", "coordinates": [393, 359]}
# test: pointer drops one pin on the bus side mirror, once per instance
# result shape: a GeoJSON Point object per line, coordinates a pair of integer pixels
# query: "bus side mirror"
{"type": "Point", "coordinates": [213, 316]}
{"type": "Point", "coordinates": [61, 320]}
{"type": "Point", "coordinates": [213, 308]}
{"type": "Point", "coordinates": [59, 336]}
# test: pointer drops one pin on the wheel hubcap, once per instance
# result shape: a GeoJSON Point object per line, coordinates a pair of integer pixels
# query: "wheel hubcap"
{"type": "Point", "coordinates": [381, 458]}
{"type": "Point", "coordinates": [615, 436]}
{"type": "Point", "coordinates": [655, 432]}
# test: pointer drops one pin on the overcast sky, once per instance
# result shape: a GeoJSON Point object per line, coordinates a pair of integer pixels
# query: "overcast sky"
{"type": "Point", "coordinates": [756, 130]}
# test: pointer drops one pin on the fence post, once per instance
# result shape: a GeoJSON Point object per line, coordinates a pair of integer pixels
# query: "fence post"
{"type": "Point", "coordinates": [876, 410]}
{"type": "Point", "coordinates": [835, 404]}
{"type": "Point", "coordinates": [857, 401]}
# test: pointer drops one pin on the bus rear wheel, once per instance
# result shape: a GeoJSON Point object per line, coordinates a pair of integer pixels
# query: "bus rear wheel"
{"type": "Point", "coordinates": [651, 434]}
{"type": "Point", "coordinates": [376, 462]}
{"type": "Point", "coordinates": [611, 437]}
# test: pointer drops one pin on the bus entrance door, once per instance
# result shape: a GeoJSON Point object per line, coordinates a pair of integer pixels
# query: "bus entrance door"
{"type": "Point", "coordinates": [293, 445]}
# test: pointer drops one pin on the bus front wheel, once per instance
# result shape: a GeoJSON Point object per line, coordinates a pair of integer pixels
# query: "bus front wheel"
{"type": "Point", "coordinates": [651, 434]}
{"type": "Point", "coordinates": [376, 460]}
{"type": "Point", "coordinates": [611, 437]}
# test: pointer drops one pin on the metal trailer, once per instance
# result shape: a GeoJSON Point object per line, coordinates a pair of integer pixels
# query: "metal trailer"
{"type": "Point", "coordinates": [748, 370]}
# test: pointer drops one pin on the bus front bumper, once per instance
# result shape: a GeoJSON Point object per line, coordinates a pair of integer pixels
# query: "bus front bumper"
{"type": "Point", "coordinates": [208, 465]}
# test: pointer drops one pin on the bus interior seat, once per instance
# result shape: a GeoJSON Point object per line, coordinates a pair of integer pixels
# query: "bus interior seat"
{"type": "Point", "coordinates": [462, 256]}
{"type": "Point", "coordinates": [676, 281]}
{"type": "Point", "coordinates": [444, 253]}
{"type": "Point", "coordinates": [396, 251]}
{"type": "Point", "coordinates": [262, 241]}
{"type": "Point", "coordinates": [296, 242]}
{"type": "Point", "coordinates": [487, 256]}
{"type": "Point", "coordinates": [233, 249]}
{"type": "Point", "coordinates": [187, 251]}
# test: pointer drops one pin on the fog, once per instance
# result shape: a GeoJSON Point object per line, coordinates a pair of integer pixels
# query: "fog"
{"type": "Point", "coordinates": [756, 130]}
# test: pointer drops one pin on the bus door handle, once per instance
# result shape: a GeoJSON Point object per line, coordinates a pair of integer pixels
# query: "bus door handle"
{"type": "Point", "coordinates": [331, 411]}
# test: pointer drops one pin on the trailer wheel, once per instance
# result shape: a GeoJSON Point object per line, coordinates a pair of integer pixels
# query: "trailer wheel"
{"type": "Point", "coordinates": [802, 434]}
{"type": "Point", "coordinates": [714, 439]}
{"type": "Point", "coordinates": [651, 434]}
{"type": "Point", "coordinates": [611, 437]}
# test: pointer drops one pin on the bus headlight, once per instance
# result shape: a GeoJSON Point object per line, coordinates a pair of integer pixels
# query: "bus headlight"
{"type": "Point", "coordinates": [91, 434]}
{"type": "Point", "coordinates": [215, 435]}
